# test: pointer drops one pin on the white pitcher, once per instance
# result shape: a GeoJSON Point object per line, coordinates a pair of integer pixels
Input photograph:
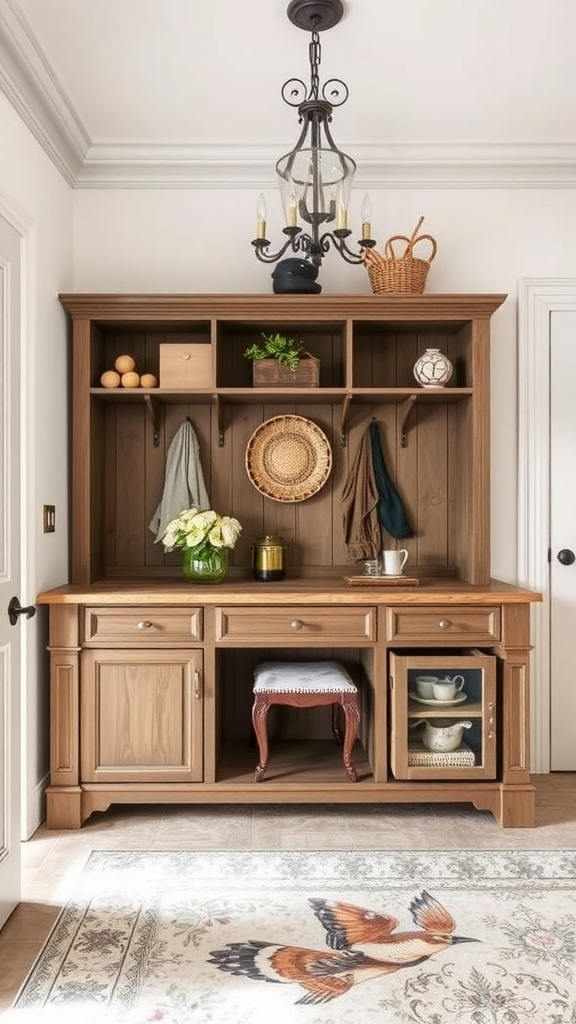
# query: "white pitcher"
{"type": "Point", "coordinates": [443, 735]}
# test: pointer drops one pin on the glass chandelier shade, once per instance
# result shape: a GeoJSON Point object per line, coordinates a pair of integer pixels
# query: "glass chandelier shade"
{"type": "Point", "coordinates": [315, 178]}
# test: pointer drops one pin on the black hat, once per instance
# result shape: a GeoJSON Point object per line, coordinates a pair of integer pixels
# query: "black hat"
{"type": "Point", "coordinates": [295, 275]}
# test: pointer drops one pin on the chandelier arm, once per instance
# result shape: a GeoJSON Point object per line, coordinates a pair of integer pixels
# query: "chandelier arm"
{"type": "Point", "coordinates": [262, 244]}
{"type": "Point", "coordinates": [330, 238]}
{"type": "Point", "coordinates": [338, 237]}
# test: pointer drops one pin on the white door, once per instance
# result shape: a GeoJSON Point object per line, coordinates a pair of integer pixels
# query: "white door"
{"type": "Point", "coordinates": [562, 539]}
{"type": "Point", "coordinates": [10, 635]}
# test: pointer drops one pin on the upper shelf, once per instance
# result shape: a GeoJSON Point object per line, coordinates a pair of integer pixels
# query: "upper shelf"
{"type": "Point", "coordinates": [118, 308]}
{"type": "Point", "coordinates": [275, 395]}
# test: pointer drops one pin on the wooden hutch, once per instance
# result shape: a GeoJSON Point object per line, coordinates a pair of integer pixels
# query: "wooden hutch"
{"type": "Point", "coordinates": [151, 677]}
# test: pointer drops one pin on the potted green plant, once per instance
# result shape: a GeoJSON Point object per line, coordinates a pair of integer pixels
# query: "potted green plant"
{"type": "Point", "coordinates": [279, 361]}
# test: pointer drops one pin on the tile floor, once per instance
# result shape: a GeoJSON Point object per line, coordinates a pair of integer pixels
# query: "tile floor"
{"type": "Point", "coordinates": [52, 860]}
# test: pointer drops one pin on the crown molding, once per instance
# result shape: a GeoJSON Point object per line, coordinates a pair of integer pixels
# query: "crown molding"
{"type": "Point", "coordinates": [380, 165]}
{"type": "Point", "coordinates": [33, 89]}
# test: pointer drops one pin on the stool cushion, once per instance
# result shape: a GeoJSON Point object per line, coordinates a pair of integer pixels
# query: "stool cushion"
{"type": "Point", "coordinates": [302, 677]}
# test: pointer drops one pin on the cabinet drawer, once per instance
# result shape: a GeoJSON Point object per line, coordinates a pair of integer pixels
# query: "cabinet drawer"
{"type": "Point", "coordinates": [298, 625]}
{"type": "Point", "coordinates": [142, 626]}
{"type": "Point", "coordinates": [443, 625]}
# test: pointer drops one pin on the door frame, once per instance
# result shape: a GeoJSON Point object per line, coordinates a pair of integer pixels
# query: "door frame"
{"type": "Point", "coordinates": [24, 227]}
{"type": "Point", "coordinates": [538, 298]}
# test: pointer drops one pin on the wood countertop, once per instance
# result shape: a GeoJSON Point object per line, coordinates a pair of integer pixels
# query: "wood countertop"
{"type": "Point", "coordinates": [307, 591]}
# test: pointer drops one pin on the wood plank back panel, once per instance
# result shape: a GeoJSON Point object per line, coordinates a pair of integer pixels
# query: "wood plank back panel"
{"type": "Point", "coordinates": [129, 472]}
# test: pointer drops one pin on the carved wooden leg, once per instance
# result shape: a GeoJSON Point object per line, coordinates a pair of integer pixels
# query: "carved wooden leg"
{"type": "Point", "coordinates": [336, 730]}
{"type": "Point", "coordinates": [259, 716]}
{"type": "Point", "coordinates": [352, 720]}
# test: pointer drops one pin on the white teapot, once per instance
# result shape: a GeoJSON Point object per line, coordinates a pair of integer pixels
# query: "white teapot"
{"type": "Point", "coordinates": [443, 735]}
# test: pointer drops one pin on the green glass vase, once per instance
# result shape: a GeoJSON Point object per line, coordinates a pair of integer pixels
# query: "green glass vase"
{"type": "Point", "coordinates": [208, 567]}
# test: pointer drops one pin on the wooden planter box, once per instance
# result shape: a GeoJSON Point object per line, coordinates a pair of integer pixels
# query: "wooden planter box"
{"type": "Point", "coordinates": [269, 373]}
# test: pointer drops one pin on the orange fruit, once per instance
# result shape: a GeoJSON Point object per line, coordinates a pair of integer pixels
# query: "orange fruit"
{"type": "Point", "coordinates": [110, 379]}
{"type": "Point", "coordinates": [124, 364]}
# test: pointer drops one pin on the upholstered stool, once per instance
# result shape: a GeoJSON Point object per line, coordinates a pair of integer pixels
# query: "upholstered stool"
{"type": "Point", "coordinates": [305, 685]}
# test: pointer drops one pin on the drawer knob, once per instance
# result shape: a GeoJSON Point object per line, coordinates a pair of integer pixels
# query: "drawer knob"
{"type": "Point", "coordinates": [297, 624]}
{"type": "Point", "coordinates": [445, 623]}
{"type": "Point", "coordinates": [143, 624]}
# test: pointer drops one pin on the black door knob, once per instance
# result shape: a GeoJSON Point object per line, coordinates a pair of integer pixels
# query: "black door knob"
{"type": "Point", "coordinates": [566, 556]}
{"type": "Point", "coordinates": [15, 609]}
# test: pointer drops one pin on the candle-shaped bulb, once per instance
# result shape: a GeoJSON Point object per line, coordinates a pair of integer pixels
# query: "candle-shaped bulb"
{"type": "Point", "coordinates": [291, 212]}
{"type": "Point", "coordinates": [366, 215]}
{"type": "Point", "coordinates": [261, 217]}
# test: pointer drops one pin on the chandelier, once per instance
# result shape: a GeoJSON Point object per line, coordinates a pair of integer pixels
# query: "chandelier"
{"type": "Point", "coordinates": [315, 178]}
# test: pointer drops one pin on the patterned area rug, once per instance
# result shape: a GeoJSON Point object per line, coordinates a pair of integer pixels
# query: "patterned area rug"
{"type": "Point", "coordinates": [318, 938]}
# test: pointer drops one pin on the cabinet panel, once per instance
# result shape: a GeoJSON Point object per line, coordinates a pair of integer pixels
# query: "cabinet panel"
{"type": "Point", "coordinates": [452, 624]}
{"type": "Point", "coordinates": [141, 716]}
{"type": "Point", "coordinates": [296, 624]}
{"type": "Point", "coordinates": [153, 626]}
{"type": "Point", "coordinates": [466, 724]}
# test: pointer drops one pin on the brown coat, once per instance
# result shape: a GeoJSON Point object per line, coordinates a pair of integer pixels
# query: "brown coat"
{"type": "Point", "coordinates": [362, 536]}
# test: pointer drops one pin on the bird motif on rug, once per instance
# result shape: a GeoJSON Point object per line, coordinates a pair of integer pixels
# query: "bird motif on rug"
{"type": "Point", "coordinates": [363, 945]}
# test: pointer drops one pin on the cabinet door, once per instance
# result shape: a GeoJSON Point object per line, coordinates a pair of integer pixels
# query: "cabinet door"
{"type": "Point", "coordinates": [443, 739]}
{"type": "Point", "coordinates": [141, 716]}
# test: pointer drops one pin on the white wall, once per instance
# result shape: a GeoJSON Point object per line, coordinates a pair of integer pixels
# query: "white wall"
{"type": "Point", "coordinates": [199, 241]}
{"type": "Point", "coordinates": [31, 186]}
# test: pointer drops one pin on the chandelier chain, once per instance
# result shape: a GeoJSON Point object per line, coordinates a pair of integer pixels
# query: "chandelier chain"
{"type": "Point", "coordinates": [315, 57]}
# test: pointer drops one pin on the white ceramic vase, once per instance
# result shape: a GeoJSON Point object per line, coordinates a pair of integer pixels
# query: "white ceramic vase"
{"type": "Point", "coordinates": [433, 369]}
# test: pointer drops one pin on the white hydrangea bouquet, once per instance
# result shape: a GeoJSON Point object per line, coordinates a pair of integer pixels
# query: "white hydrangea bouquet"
{"type": "Point", "coordinates": [202, 531]}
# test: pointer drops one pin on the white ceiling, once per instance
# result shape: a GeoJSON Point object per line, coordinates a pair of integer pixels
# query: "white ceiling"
{"type": "Point", "coordinates": [155, 92]}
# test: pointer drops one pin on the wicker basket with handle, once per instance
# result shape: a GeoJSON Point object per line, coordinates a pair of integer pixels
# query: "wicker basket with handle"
{"type": "Point", "coordinates": [400, 273]}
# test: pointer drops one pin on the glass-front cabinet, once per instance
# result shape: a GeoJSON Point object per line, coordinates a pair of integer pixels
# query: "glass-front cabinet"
{"type": "Point", "coordinates": [443, 715]}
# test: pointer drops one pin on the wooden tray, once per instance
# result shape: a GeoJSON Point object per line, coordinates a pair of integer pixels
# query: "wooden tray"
{"type": "Point", "coordinates": [382, 581]}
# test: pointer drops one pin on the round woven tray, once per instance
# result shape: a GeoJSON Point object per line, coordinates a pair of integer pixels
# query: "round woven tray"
{"type": "Point", "coordinates": [288, 458]}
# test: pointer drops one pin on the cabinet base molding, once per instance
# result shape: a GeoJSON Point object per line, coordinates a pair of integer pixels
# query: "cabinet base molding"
{"type": "Point", "coordinates": [517, 808]}
{"type": "Point", "coordinates": [64, 807]}
{"type": "Point", "coordinates": [511, 807]}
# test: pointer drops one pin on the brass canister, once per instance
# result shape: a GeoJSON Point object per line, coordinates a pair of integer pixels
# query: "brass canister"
{"type": "Point", "coordinates": [268, 559]}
